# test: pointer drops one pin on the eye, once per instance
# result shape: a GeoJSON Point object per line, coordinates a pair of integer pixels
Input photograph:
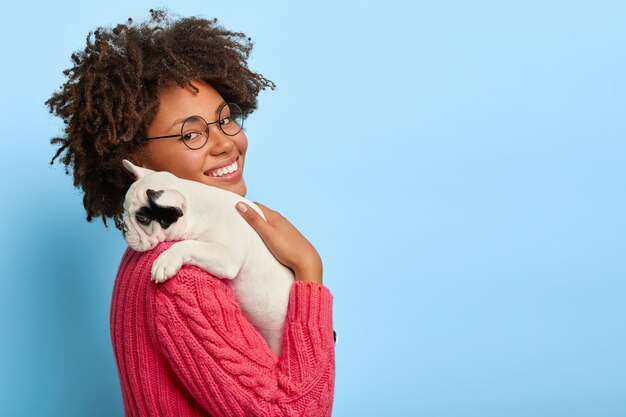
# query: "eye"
{"type": "Point", "coordinates": [225, 120]}
{"type": "Point", "coordinates": [191, 135]}
{"type": "Point", "coordinates": [142, 219]}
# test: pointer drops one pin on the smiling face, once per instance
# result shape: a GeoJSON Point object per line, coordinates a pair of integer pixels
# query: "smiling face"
{"type": "Point", "coordinates": [203, 165]}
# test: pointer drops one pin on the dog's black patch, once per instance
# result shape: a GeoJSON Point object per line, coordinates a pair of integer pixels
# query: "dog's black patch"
{"type": "Point", "coordinates": [144, 216]}
{"type": "Point", "coordinates": [153, 195]}
{"type": "Point", "coordinates": [165, 215]}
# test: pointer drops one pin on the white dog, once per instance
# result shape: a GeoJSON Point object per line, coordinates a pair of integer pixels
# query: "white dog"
{"type": "Point", "coordinates": [160, 207]}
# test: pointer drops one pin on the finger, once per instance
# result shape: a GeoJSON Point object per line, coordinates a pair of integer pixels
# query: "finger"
{"type": "Point", "coordinates": [253, 218]}
{"type": "Point", "coordinates": [271, 215]}
{"type": "Point", "coordinates": [266, 210]}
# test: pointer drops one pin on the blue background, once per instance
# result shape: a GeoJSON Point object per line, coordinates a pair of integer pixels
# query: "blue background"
{"type": "Point", "coordinates": [460, 166]}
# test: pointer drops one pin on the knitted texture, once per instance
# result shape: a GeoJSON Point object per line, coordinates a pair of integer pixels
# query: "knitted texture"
{"type": "Point", "coordinates": [184, 348]}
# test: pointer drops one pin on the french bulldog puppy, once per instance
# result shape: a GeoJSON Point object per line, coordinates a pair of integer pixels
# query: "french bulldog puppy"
{"type": "Point", "coordinates": [213, 236]}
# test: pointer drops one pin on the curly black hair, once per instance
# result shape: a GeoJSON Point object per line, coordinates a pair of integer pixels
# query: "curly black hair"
{"type": "Point", "coordinates": [111, 95]}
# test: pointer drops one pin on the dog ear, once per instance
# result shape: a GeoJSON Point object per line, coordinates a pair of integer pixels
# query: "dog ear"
{"type": "Point", "coordinates": [166, 206]}
{"type": "Point", "coordinates": [135, 171]}
{"type": "Point", "coordinates": [165, 198]}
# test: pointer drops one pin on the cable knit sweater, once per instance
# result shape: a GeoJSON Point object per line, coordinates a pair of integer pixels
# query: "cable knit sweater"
{"type": "Point", "coordinates": [183, 348]}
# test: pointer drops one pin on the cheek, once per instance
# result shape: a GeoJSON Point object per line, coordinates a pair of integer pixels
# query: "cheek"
{"type": "Point", "coordinates": [242, 143]}
{"type": "Point", "coordinates": [180, 162]}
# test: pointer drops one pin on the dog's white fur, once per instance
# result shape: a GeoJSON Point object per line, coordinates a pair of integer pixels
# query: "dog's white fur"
{"type": "Point", "coordinates": [214, 237]}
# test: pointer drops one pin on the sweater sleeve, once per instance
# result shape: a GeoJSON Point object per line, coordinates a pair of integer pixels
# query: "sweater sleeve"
{"type": "Point", "coordinates": [226, 364]}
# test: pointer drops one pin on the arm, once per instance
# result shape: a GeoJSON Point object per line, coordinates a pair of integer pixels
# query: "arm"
{"type": "Point", "coordinates": [225, 363]}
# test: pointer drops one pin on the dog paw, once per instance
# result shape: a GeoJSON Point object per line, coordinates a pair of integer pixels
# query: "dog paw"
{"type": "Point", "coordinates": [166, 266]}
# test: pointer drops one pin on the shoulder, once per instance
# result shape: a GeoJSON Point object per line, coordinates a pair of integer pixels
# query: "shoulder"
{"type": "Point", "coordinates": [192, 305]}
{"type": "Point", "coordinates": [191, 286]}
{"type": "Point", "coordinates": [133, 259]}
{"type": "Point", "coordinates": [137, 266]}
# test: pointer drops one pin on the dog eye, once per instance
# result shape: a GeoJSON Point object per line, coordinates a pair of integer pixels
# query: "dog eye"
{"type": "Point", "coordinates": [142, 219]}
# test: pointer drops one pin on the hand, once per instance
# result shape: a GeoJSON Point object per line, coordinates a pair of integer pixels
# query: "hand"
{"type": "Point", "coordinates": [285, 242]}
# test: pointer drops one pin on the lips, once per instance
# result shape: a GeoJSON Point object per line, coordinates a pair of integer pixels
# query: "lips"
{"type": "Point", "coordinates": [228, 170]}
{"type": "Point", "coordinates": [225, 170]}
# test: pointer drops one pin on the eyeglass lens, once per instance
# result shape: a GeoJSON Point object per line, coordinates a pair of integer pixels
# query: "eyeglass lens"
{"type": "Point", "coordinates": [195, 130]}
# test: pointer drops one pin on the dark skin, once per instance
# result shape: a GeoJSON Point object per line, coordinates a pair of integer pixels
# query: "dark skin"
{"type": "Point", "coordinates": [177, 103]}
{"type": "Point", "coordinates": [286, 243]}
{"type": "Point", "coordinates": [112, 93]}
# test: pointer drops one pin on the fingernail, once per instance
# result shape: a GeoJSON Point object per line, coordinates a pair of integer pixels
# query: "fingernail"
{"type": "Point", "coordinates": [241, 207]}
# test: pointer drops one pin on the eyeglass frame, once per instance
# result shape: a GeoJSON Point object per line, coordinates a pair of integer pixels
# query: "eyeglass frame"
{"type": "Point", "coordinates": [206, 140]}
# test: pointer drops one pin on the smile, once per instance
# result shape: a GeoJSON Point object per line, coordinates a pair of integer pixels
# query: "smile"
{"type": "Point", "coordinates": [225, 170]}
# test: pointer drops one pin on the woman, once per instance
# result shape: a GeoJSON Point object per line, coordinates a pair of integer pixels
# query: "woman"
{"type": "Point", "coordinates": [183, 347]}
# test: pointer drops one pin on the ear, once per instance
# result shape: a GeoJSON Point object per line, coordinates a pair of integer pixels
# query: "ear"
{"type": "Point", "coordinates": [135, 171]}
{"type": "Point", "coordinates": [166, 198]}
{"type": "Point", "coordinates": [166, 206]}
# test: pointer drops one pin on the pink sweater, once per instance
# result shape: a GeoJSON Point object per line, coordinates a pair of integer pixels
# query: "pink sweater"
{"type": "Point", "coordinates": [183, 348]}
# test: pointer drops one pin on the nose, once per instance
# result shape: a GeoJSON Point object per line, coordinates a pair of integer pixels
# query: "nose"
{"type": "Point", "coordinates": [219, 142]}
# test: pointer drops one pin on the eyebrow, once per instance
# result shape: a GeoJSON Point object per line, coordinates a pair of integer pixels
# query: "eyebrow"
{"type": "Point", "coordinates": [182, 119]}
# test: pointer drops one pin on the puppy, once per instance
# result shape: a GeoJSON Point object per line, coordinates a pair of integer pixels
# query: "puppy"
{"type": "Point", "coordinates": [213, 236]}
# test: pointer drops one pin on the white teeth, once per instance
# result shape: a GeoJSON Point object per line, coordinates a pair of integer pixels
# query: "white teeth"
{"type": "Point", "coordinates": [226, 170]}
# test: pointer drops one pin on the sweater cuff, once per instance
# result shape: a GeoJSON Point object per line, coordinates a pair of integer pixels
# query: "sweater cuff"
{"type": "Point", "coordinates": [310, 303]}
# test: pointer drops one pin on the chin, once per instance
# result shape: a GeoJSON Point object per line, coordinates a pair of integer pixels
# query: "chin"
{"type": "Point", "coordinates": [237, 187]}
{"type": "Point", "coordinates": [241, 189]}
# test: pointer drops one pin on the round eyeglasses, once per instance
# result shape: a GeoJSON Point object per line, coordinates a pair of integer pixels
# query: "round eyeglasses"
{"type": "Point", "coordinates": [194, 132]}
